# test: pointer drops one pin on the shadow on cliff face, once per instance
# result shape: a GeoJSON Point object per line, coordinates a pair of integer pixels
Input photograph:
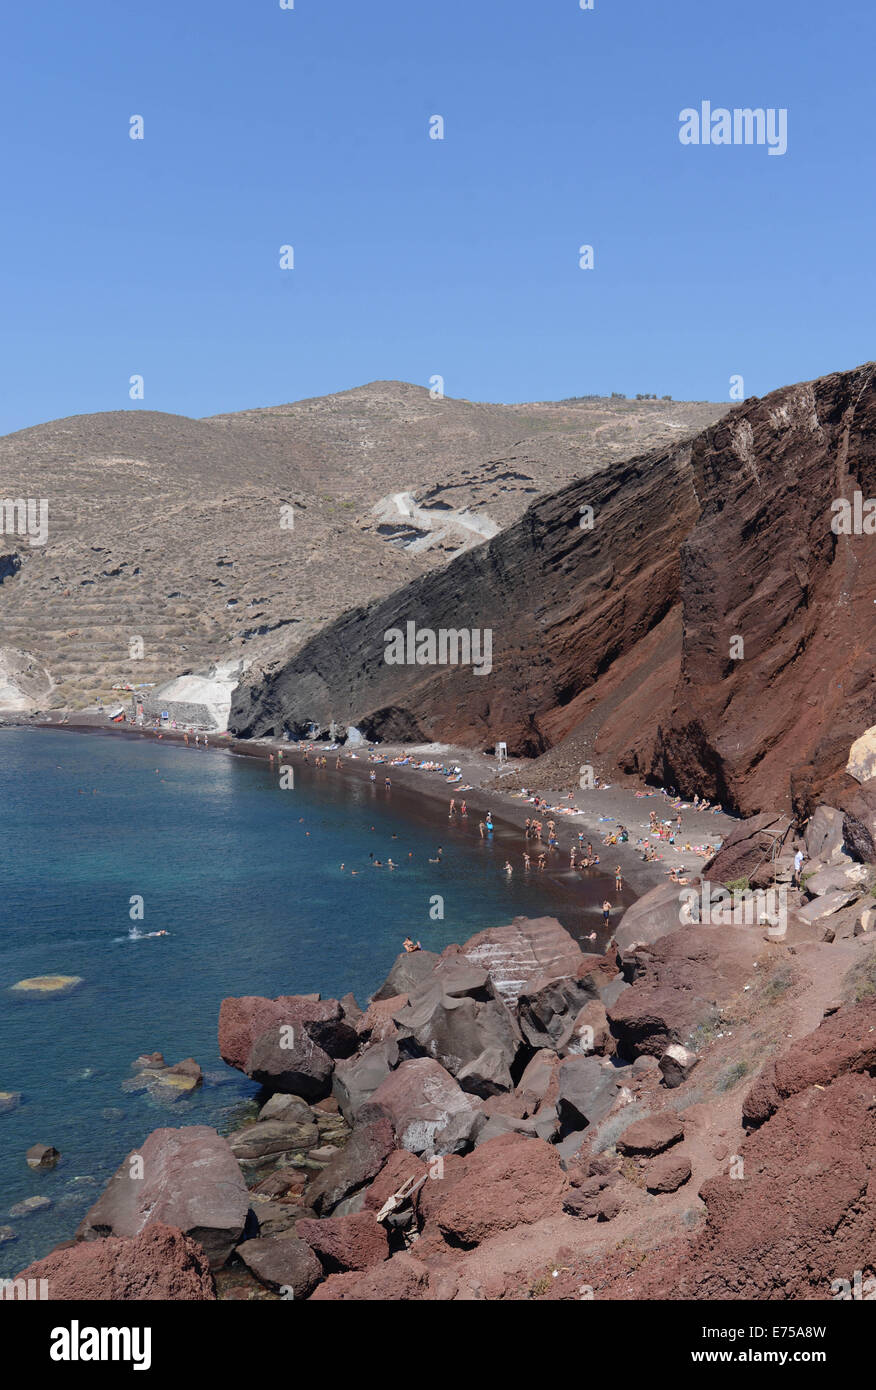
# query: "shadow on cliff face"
{"type": "Point", "coordinates": [392, 724]}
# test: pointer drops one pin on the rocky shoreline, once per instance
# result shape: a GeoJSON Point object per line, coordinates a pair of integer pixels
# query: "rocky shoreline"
{"type": "Point", "coordinates": [517, 1118]}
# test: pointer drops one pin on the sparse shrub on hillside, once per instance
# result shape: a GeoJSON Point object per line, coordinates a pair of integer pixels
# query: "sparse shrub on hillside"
{"type": "Point", "coordinates": [539, 1286]}
{"type": "Point", "coordinates": [738, 885]}
{"type": "Point", "coordinates": [774, 987]}
{"type": "Point", "coordinates": [731, 1076]}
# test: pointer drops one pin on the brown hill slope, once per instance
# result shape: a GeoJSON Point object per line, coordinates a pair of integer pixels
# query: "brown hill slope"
{"type": "Point", "coordinates": [168, 529]}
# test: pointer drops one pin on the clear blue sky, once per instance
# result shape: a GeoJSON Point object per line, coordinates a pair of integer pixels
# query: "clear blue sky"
{"type": "Point", "coordinates": [416, 257]}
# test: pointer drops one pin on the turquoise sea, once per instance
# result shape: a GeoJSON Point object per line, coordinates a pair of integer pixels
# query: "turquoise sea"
{"type": "Point", "coordinates": [245, 878]}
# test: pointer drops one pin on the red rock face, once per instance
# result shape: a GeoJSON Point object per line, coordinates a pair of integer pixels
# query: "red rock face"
{"type": "Point", "coordinates": [684, 976]}
{"type": "Point", "coordinates": [159, 1263]}
{"type": "Point", "coordinates": [506, 1182]}
{"type": "Point", "coordinates": [763, 563]}
{"type": "Point", "coordinates": [796, 1213]}
{"type": "Point", "coordinates": [187, 1178]}
{"type": "Point", "coordinates": [631, 625]}
{"type": "Point", "coordinates": [346, 1242]}
{"type": "Point", "coordinates": [243, 1021]}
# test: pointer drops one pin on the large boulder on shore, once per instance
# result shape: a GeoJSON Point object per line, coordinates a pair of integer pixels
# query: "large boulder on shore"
{"type": "Point", "coordinates": [357, 1078]}
{"type": "Point", "coordinates": [685, 977]}
{"type": "Point", "coordinates": [427, 1108]}
{"type": "Point", "coordinates": [187, 1178]}
{"type": "Point", "coordinates": [342, 1243]}
{"type": "Point", "coordinates": [747, 850]}
{"type": "Point", "coordinates": [651, 1135]}
{"type": "Point", "coordinates": [158, 1264]}
{"type": "Point", "coordinates": [409, 969]}
{"type": "Point", "coordinates": [586, 1090]}
{"type": "Point", "coordinates": [530, 948]}
{"type": "Point", "coordinates": [547, 1010]}
{"type": "Point", "coordinates": [507, 1182]}
{"type": "Point", "coordinates": [454, 1017]}
{"type": "Point", "coordinates": [403, 1279]}
{"type": "Point", "coordinates": [357, 1163]}
{"type": "Point", "coordinates": [653, 915]}
{"type": "Point", "coordinates": [288, 1044]}
{"type": "Point", "coordinates": [283, 1262]}
{"type": "Point", "coordinates": [269, 1139]}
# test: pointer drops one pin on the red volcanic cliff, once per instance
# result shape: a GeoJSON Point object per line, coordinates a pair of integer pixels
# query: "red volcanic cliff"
{"type": "Point", "coordinates": [711, 624]}
{"type": "Point", "coordinates": [763, 564]}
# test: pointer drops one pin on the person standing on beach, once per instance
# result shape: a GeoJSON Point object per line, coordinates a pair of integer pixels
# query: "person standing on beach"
{"type": "Point", "coordinates": [452, 805]}
{"type": "Point", "coordinates": [463, 810]}
{"type": "Point", "coordinates": [526, 862]}
{"type": "Point", "coordinates": [387, 783]}
{"type": "Point", "coordinates": [606, 913]}
{"type": "Point", "coordinates": [589, 850]}
{"type": "Point", "coordinates": [618, 880]}
{"type": "Point", "coordinates": [482, 829]}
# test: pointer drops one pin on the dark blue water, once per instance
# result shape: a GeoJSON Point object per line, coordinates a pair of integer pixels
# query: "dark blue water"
{"type": "Point", "coordinates": [245, 877]}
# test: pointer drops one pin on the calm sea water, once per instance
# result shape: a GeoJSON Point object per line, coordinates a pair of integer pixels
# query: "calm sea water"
{"type": "Point", "coordinates": [245, 878]}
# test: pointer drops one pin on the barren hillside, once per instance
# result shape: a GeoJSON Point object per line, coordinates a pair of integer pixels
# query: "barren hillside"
{"type": "Point", "coordinates": [172, 530]}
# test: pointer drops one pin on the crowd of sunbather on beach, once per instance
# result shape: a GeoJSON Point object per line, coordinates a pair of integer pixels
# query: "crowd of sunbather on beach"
{"type": "Point", "coordinates": [540, 830]}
